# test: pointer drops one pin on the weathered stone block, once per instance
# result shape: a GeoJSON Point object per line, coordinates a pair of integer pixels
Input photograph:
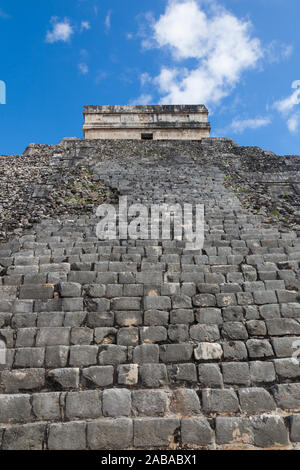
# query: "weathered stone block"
{"type": "Point", "coordinates": [271, 311]}
{"type": "Point", "coordinates": [225, 300]}
{"type": "Point", "coordinates": [95, 290]}
{"type": "Point", "coordinates": [70, 289]}
{"type": "Point", "coordinates": [126, 303]}
{"type": "Point", "coordinates": [287, 396]}
{"type": "Point", "coordinates": [22, 379]}
{"type": "Point", "coordinates": [235, 350]}
{"type": "Point", "coordinates": [100, 376]}
{"type": "Point", "coordinates": [56, 356]}
{"type": "Point", "coordinates": [67, 436]}
{"type": "Point", "coordinates": [181, 302]}
{"type": "Point", "coordinates": [285, 347]}
{"type": "Point", "coordinates": [236, 373]}
{"type": "Point", "coordinates": [128, 374]}
{"type": "Point", "coordinates": [150, 402]}
{"type": "Point", "coordinates": [219, 401]}
{"type": "Point", "coordinates": [295, 428]}
{"type": "Point", "coordinates": [182, 373]}
{"type": "Point", "coordinates": [15, 409]}
{"type": "Point", "coordinates": [116, 402]}
{"type": "Point", "coordinates": [205, 333]}
{"type": "Point", "coordinates": [262, 372]}
{"type": "Point", "coordinates": [110, 434]}
{"type": "Point", "coordinates": [153, 334]}
{"type": "Point", "coordinates": [157, 303]}
{"type": "Point", "coordinates": [29, 357]}
{"type": "Point", "coordinates": [156, 318]}
{"type": "Point", "coordinates": [81, 336]}
{"type": "Point", "coordinates": [66, 379]}
{"type": "Point", "coordinates": [53, 337]}
{"type": "Point", "coordinates": [83, 405]}
{"type": "Point", "coordinates": [262, 297]}
{"type": "Point", "coordinates": [234, 431]}
{"type": "Point", "coordinates": [185, 402]}
{"type": "Point", "coordinates": [153, 375]}
{"type": "Point", "coordinates": [146, 354]}
{"type": "Point", "coordinates": [269, 431]}
{"type": "Point", "coordinates": [46, 406]}
{"type": "Point", "coordinates": [26, 437]}
{"type": "Point", "coordinates": [176, 352]}
{"type": "Point", "coordinates": [234, 331]}
{"type": "Point", "coordinates": [98, 306]}
{"type": "Point", "coordinates": [105, 335]}
{"type": "Point", "coordinates": [43, 292]}
{"type": "Point", "coordinates": [196, 432]}
{"type": "Point", "coordinates": [204, 300]}
{"type": "Point", "coordinates": [50, 319]}
{"type": "Point", "coordinates": [100, 319]}
{"type": "Point", "coordinates": [129, 318]}
{"type": "Point", "coordinates": [82, 356]}
{"type": "Point", "coordinates": [233, 313]}
{"type": "Point", "coordinates": [259, 348]}
{"type": "Point", "coordinates": [112, 354]}
{"type": "Point", "coordinates": [208, 352]}
{"type": "Point", "coordinates": [155, 432]}
{"type": "Point", "coordinates": [210, 376]}
{"type": "Point", "coordinates": [283, 326]}
{"type": "Point", "coordinates": [128, 336]}
{"type": "Point", "coordinates": [256, 328]}
{"type": "Point", "coordinates": [287, 369]}
{"type": "Point", "coordinates": [256, 400]}
{"type": "Point", "coordinates": [178, 333]}
{"type": "Point", "coordinates": [209, 316]}
{"type": "Point", "coordinates": [182, 316]}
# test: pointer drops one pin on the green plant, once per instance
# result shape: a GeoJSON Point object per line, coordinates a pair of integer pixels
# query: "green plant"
{"type": "Point", "coordinates": [274, 212]}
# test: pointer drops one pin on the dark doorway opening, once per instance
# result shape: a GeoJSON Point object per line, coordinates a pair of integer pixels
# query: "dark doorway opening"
{"type": "Point", "coordinates": [147, 136]}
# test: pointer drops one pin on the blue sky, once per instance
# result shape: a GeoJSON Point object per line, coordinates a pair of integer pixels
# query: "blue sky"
{"type": "Point", "coordinates": [238, 57]}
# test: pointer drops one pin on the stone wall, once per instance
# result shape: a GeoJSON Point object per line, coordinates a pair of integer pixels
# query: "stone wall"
{"type": "Point", "coordinates": [158, 134]}
{"type": "Point", "coordinates": [159, 122]}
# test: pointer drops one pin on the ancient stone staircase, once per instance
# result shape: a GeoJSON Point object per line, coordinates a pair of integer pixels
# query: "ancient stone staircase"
{"type": "Point", "coordinates": [141, 344]}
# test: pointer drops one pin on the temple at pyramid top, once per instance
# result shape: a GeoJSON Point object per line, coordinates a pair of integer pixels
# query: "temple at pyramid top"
{"type": "Point", "coordinates": [148, 122]}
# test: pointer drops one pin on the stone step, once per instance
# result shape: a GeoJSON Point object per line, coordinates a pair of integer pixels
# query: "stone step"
{"type": "Point", "coordinates": [208, 365]}
{"type": "Point", "coordinates": [122, 402]}
{"type": "Point", "coordinates": [169, 433]}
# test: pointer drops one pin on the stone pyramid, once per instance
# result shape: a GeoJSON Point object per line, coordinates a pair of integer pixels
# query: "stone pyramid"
{"type": "Point", "coordinates": [145, 344]}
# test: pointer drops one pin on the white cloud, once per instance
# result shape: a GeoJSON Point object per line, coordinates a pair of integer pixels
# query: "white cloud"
{"type": "Point", "coordinates": [145, 78]}
{"type": "Point", "coordinates": [83, 68]}
{"type": "Point", "coordinates": [295, 84]}
{"type": "Point", "coordinates": [61, 31]}
{"type": "Point", "coordinates": [85, 26]}
{"type": "Point", "coordinates": [108, 21]}
{"type": "Point", "coordinates": [293, 123]}
{"type": "Point", "coordinates": [238, 126]}
{"type": "Point", "coordinates": [221, 45]}
{"type": "Point", "coordinates": [287, 104]}
{"type": "Point", "coordinates": [277, 51]}
{"type": "Point", "coordinates": [142, 99]}
{"type": "Point", "coordinates": [288, 108]}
